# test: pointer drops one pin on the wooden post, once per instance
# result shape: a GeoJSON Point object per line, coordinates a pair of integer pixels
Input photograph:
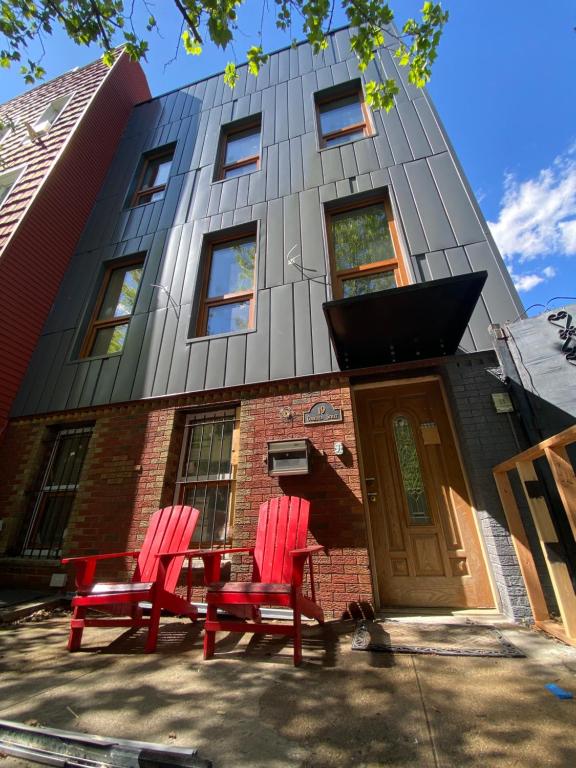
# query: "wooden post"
{"type": "Point", "coordinates": [558, 570]}
{"type": "Point", "coordinates": [522, 547]}
{"type": "Point", "coordinates": [563, 473]}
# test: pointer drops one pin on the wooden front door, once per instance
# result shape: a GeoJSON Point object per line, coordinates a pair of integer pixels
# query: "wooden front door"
{"type": "Point", "coordinates": [426, 544]}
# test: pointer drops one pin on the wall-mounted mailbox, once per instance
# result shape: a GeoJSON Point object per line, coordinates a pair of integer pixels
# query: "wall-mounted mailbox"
{"type": "Point", "coordinates": [289, 457]}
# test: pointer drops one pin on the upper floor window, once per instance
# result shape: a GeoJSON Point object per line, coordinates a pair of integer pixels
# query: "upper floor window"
{"type": "Point", "coordinates": [240, 151]}
{"type": "Point", "coordinates": [8, 180]}
{"type": "Point", "coordinates": [153, 178]}
{"type": "Point", "coordinates": [51, 114]}
{"type": "Point", "coordinates": [228, 296]}
{"type": "Point", "coordinates": [114, 308]}
{"type": "Point", "coordinates": [365, 251]}
{"type": "Point", "coordinates": [342, 116]}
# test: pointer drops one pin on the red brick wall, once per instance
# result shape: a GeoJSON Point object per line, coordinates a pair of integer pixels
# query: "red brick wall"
{"type": "Point", "coordinates": [333, 486]}
{"type": "Point", "coordinates": [131, 466]}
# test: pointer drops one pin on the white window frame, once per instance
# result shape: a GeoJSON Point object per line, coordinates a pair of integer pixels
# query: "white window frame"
{"type": "Point", "coordinates": [8, 180]}
{"type": "Point", "coordinates": [45, 123]}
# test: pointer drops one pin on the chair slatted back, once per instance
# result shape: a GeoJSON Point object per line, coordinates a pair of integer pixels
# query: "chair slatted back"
{"type": "Point", "coordinates": [170, 530]}
{"type": "Point", "coordinates": [282, 527]}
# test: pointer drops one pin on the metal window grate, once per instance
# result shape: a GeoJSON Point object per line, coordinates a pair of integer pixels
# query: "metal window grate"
{"type": "Point", "coordinates": [48, 521]}
{"type": "Point", "coordinates": [206, 474]}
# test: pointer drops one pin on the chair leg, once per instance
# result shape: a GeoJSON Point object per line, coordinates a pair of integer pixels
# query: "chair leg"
{"type": "Point", "coordinates": [75, 636]}
{"type": "Point", "coordinates": [153, 626]}
{"type": "Point", "coordinates": [297, 636]}
{"type": "Point", "coordinates": [209, 634]}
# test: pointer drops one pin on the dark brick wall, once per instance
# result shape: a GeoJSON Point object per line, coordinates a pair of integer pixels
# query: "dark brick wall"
{"type": "Point", "coordinates": [486, 438]}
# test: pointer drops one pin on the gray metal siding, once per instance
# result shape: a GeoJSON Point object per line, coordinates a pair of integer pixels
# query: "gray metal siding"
{"type": "Point", "coordinates": [439, 222]}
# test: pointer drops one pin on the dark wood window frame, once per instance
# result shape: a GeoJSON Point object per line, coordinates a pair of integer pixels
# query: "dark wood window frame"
{"type": "Point", "coordinates": [95, 324]}
{"type": "Point", "coordinates": [326, 97]}
{"type": "Point", "coordinates": [395, 265]}
{"type": "Point", "coordinates": [253, 123]}
{"type": "Point", "coordinates": [147, 160]}
{"type": "Point", "coordinates": [228, 298]}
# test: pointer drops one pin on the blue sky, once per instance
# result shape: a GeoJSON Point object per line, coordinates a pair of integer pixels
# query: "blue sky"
{"type": "Point", "coordinates": [504, 88]}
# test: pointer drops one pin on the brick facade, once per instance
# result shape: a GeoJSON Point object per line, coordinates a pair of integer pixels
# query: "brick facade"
{"type": "Point", "coordinates": [131, 467]}
{"type": "Point", "coordinates": [132, 464]}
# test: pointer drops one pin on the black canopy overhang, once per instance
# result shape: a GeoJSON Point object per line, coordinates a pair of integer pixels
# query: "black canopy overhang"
{"type": "Point", "coordinates": [413, 322]}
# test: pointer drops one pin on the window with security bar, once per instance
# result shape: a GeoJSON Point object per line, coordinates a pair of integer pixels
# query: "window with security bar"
{"type": "Point", "coordinates": [46, 527]}
{"type": "Point", "coordinates": [206, 477]}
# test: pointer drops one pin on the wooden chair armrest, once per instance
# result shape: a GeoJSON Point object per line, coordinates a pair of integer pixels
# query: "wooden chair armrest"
{"type": "Point", "coordinates": [83, 558]}
{"type": "Point", "coordinates": [86, 566]}
{"type": "Point", "coordinates": [299, 557]}
{"type": "Point", "coordinates": [307, 550]}
{"type": "Point", "coordinates": [205, 553]}
{"type": "Point", "coordinates": [211, 558]}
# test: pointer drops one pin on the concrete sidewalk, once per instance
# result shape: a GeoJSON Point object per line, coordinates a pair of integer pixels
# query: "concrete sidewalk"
{"type": "Point", "coordinates": [251, 707]}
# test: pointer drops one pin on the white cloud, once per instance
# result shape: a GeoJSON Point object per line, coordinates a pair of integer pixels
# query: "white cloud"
{"type": "Point", "coordinates": [538, 216]}
{"type": "Point", "coordinates": [526, 282]}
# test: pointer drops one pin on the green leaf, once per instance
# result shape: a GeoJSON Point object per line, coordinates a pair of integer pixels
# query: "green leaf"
{"type": "Point", "coordinates": [256, 58]}
{"type": "Point", "coordinates": [231, 76]}
{"type": "Point", "coordinates": [191, 45]}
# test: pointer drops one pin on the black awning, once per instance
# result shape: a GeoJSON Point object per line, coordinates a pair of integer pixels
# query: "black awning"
{"type": "Point", "coordinates": [414, 322]}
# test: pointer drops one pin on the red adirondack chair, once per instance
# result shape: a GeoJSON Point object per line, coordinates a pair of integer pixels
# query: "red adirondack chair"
{"type": "Point", "coordinates": [278, 561]}
{"type": "Point", "coordinates": [154, 581]}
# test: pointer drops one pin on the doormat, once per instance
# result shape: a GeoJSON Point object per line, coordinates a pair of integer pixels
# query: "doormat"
{"type": "Point", "coordinates": [433, 639]}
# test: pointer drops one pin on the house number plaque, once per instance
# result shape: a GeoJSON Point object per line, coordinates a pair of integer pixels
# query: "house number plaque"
{"type": "Point", "coordinates": [322, 413]}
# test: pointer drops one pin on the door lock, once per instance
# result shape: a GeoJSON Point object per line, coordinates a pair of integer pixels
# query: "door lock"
{"type": "Point", "coordinates": [372, 497]}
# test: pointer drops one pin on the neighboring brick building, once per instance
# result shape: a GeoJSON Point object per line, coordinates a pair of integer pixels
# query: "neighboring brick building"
{"type": "Point", "coordinates": [55, 150]}
{"type": "Point", "coordinates": [254, 256]}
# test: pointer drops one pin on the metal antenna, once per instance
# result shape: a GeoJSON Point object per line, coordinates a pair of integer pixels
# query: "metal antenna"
{"type": "Point", "coordinates": [175, 307]}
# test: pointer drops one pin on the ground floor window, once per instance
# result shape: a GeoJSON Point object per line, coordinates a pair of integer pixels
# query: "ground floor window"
{"type": "Point", "coordinates": [46, 527]}
{"type": "Point", "coordinates": [207, 471]}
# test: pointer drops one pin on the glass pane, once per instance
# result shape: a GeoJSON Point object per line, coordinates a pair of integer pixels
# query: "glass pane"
{"type": "Point", "coordinates": [343, 138]}
{"type": "Point", "coordinates": [67, 461]}
{"type": "Point", "coordinates": [411, 472]}
{"type": "Point", "coordinates": [227, 318]}
{"type": "Point", "coordinates": [157, 172]}
{"type": "Point", "coordinates": [212, 501]}
{"type": "Point", "coordinates": [340, 113]}
{"type": "Point", "coordinates": [150, 197]}
{"type": "Point", "coordinates": [209, 452]}
{"type": "Point", "coordinates": [232, 268]}
{"type": "Point", "coordinates": [109, 340]}
{"type": "Point", "coordinates": [4, 191]}
{"type": "Point", "coordinates": [358, 286]}
{"type": "Point", "coordinates": [241, 145]}
{"type": "Point", "coordinates": [240, 170]}
{"type": "Point", "coordinates": [121, 293]}
{"type": "Point", "coordinates": [46, 538]}
{"type": "Point", "coordinates": [361, 237]}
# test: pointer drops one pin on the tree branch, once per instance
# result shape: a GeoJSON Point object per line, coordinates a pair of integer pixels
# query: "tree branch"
{"type": "Point", "coordinates": [189, 22]}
